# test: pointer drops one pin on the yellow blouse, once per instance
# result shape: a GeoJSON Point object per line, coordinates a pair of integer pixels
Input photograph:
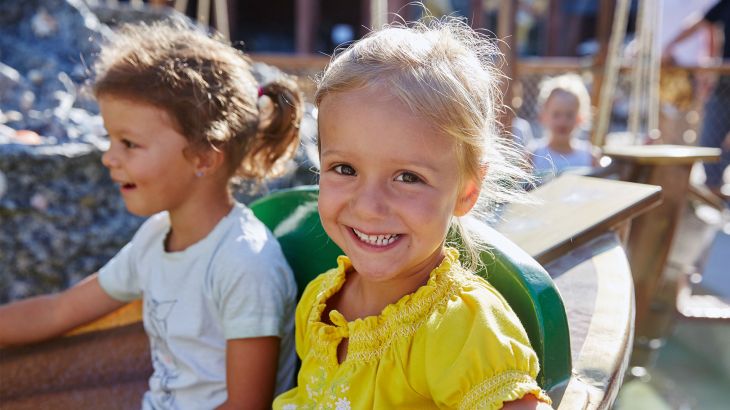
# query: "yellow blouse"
{"type": "Point", "coordinates": [454, 343]}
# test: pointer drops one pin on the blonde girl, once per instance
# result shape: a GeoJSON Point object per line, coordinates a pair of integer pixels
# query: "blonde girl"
{"type": "Point", "coordinates": [409, 146]}
{"type": "Point", "coordinates": [182, 113]}
{"type": "Point", "coordinates": [565, 107]}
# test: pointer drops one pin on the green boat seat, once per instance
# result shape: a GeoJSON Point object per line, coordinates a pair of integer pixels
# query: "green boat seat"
{"type": "Point", "coordinates": [292, 216]}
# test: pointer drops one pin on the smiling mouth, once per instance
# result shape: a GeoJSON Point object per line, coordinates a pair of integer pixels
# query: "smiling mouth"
{"type": "Point", "coordinates": [126, 185]}
{"type": "Point", "coordinates": [376, 240]}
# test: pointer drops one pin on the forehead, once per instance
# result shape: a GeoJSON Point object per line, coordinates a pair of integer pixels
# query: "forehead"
{"type": "Point", "coordinates": [374, 121]}
{"type": "Point", "coordinates": [119, 110]}
{"type": "Point", "coordinates": [562, 99]}
{"type": "Point", "coordinates": [143, 122]}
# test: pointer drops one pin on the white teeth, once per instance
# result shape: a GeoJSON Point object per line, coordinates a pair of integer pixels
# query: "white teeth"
{"type": "Point", "coordinates": [378, 240]}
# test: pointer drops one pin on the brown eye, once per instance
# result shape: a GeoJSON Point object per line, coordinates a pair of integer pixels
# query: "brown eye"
{"type": "Point", "coordinates": [129, 144]}
{"type": "Point", "coordinates": [408, 177]}
{"type": "Point", "coordinates": [344, 169]}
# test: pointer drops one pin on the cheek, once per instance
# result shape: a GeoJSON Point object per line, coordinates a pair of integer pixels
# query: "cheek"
{"type": "Point", "coordinates": [326, 205]}
{"type": "Point", "coordinates": [432, 212]}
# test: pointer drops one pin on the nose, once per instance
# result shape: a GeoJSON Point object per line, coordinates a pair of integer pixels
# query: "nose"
{"type": "Point", "coordinates": [109, 158]}
{"type": "Point", "coordinates": [370, 200]}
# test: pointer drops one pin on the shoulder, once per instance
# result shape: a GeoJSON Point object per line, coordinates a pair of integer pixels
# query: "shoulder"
{"type": "Point", "coordinates": [325, 284]}
{"type": "Point", "coordinates": [475, 300]}
{"type": "Point", "coordinates": [319, 289]}
{"type": "Point", "coordinates": [479, 325]}
{"type": "Point", "coordinates": [247, 238]}
{"type": "Point", "coordinates": [542, 157]}
{"type": "Point", "coordinates": [584, 151]}
{"type": "Point", "coordinates": [247, 231]}
{"type": "Point", "coordinates": [246, 247]}
{"type": "Point", "coordinates": [489, 358]}
{"type": "Point", "coordinates": [539, 148]}
{"type": "Point", "coordinates": [582, 145]}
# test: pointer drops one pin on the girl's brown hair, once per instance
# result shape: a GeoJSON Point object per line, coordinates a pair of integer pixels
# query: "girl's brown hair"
{"type": "Point", "coordinates": [208, 89]}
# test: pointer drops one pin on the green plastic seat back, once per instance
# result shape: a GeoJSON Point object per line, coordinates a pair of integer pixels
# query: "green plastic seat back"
{"type": "Point", "coordinates": [292, 216]}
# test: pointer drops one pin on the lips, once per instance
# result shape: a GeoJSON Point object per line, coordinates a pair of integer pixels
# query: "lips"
{"type": "Point", "coordinates": [125, 186]}
{"type": "Point", "coordinates": [376, 240]}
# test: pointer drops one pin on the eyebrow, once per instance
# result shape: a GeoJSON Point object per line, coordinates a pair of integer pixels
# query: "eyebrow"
{"type": "Point", "coordinates": [121, 133]}
{"type": "Point", "coordinates": [406, 165]}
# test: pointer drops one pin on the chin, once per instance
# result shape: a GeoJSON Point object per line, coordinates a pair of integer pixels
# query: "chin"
{"type": "Point", "coordinates": [374, 273]}
{"type": "Point", "coordinates": [137, 211]}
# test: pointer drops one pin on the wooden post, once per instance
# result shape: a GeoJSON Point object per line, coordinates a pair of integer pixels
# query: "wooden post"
{"type": "Point", "coordinates": [398, 8]}
{"type": "Point", "coordinates": [554, 28]}
{"type": "Point", "coordinates": [611, 69]}
{"type": "Point", "coordinates": [307, 15]}
{"type": "Point", "coordinates": [603, 34]}
{"type": "Point", "coordinates": [378, 13]}
{"type": "Point", "coordinates": [477, 14]}
{"type": "Point", "coordinates": [220, 8]}
{"type": "Point", "coordinates": [203, 13]}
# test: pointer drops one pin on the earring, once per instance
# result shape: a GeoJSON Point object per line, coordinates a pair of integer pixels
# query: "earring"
{"type": "Point", "coordinates": [199, 174]}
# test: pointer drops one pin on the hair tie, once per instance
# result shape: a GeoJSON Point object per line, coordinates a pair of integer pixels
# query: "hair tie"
{"type": "Point", "coordinates": [261, 91]}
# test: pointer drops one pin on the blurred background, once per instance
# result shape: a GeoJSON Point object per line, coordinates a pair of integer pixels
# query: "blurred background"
{"type": "Point", "coordinates": [61, 217]}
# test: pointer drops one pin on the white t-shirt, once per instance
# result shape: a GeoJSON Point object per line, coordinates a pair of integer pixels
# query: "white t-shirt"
{"type": "Point", "coordinates": [234, 283]}
{"type": "Point", "coordinates": [546, 161]}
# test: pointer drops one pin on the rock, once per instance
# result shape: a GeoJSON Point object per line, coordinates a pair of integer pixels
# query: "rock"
{"type": "Point", "coordinates": [62, 217]}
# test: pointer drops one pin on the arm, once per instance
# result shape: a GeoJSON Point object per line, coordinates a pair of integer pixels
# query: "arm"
{"type": "Point", "coordinates": [529, 402]}
{"type": "Point", "coordinates": [251, 372]}
{"type": "Point", "coordinates": [54, 314]}
{"type": "Point", "coordinates": [693, 24]}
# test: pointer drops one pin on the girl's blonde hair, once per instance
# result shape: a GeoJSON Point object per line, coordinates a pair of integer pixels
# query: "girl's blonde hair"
{"type": "Point", "coordinates": [445, 72]}
{"type": "Point", "coordinates": [571, 84]}
{"type": "Point", "coordinates": [208, 89]}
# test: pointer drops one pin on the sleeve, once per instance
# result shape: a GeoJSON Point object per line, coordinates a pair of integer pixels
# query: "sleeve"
{"type": "Point", "coordinates": [119, 277]}
{"type": "Point", "coordinates": [489, 359]}
{"type": "Point", "coordinates": [255, 295]}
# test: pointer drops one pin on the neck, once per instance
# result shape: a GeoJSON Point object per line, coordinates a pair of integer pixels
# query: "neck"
{"type": "Point", "coordinates": [560, 145]}
{"type": "Point", "coordinates": [196, 219]}
{"type": "Point", "coordinates": [361, 298]}
{"type": "Point", "coordinates": [370, 298]}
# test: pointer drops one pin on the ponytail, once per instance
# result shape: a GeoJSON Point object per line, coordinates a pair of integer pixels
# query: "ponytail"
{"type": "Point", "coordinates": [280, 107]}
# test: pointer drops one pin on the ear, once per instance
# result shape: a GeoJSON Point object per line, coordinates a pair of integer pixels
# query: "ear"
{"type": "Point", "coordinates": [467, 198]}
{"type": "Point", "coordinates": [208, 161]}
{"type": "Point", "coordinates": [470, 193]}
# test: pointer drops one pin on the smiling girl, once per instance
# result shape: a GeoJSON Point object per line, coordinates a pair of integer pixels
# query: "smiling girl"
{"type": "Point", "coordinates": [408, 146]}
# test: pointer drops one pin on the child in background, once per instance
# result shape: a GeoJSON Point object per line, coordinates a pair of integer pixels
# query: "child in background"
{"type": "Point", "coordinates": [409, 144]}
{"type": "Point", "coordinates": [564, 105]}
{"type": "Point", "coordinates": [182, 113]}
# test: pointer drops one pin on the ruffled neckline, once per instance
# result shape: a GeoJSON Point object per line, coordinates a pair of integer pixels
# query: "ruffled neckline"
{"type": "Point", "coordinates": [408, 308]}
